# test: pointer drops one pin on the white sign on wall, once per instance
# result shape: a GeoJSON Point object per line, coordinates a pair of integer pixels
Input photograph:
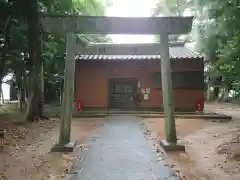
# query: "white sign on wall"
{"type": "Point", "coordinates": [145, 97]}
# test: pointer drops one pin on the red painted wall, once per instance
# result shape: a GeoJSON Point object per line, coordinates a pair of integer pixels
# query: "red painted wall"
{"type": "Point", "coordinates": [92, 81]}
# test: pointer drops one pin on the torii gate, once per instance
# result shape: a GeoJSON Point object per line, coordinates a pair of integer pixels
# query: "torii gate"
{"type": "Point", "coordinates": [70, 25]}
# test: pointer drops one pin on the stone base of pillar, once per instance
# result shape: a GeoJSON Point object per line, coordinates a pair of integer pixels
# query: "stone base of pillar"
{"type": "Point", "coordinates": [64, 147]}
{"type": "Point", "coordinates": [168, 146]}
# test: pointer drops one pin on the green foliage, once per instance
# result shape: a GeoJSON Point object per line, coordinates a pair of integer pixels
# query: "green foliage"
{"type": "Point", "coordinates": [53, 46]}
{"type": "Point", "coordinates": [229, 58]}
{"type": "Point", "coordinates": [216, 31]}
{"type": "Point", "coordinates": [222, 43]}
{"type": "Point", "coordinates": [172, 7]}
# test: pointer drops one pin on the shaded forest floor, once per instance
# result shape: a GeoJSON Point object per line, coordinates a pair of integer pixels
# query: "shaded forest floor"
{"type": "Point", "coordinates": [25, 152]}
{"type": "Point", "coordinates": [212, 148]}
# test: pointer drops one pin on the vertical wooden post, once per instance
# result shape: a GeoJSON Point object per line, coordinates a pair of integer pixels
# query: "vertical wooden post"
{"type": "Point", "coordinates": [170, 126]}
{"type": "Point", "coordinates": [67, 101]}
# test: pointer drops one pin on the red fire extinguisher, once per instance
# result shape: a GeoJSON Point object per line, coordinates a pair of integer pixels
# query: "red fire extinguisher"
{"type": "Point", "coordinates": [199, 106]}
{"type": "Point", "coordinates": [79, 105]}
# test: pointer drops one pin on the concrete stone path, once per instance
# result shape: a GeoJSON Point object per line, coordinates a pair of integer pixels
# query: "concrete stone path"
{"type": "Point", "coordinates": [119, 151]}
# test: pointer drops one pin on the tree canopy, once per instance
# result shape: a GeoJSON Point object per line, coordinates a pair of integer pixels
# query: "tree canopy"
{"type": "Point", "coordinates": [21, 36]}
{"type": "Point", "coordinates": [216, 34]}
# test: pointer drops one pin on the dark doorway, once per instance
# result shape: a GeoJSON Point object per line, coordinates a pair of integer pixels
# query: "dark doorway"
{"type": "Point", "coordinates": [122, 93]}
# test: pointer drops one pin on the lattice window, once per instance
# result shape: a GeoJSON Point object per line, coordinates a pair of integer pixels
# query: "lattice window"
{"type": "Point", "coordinates": [183, 80]}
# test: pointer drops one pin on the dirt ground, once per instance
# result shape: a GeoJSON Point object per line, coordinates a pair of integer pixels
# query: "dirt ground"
{"type": "Point", "coordinates": [26, 154]}
{"type": "Point", "coordinates": [212, 148]}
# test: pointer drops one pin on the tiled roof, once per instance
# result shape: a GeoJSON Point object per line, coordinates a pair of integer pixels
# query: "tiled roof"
{"type": "Point", "coordinates": [183, 52]}
{"type": "Point", "coordinates": [175, 53]}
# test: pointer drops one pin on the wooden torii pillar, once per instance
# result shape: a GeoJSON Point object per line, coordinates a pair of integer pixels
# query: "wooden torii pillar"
{"type": "Point", "coordinates": [162, 26]}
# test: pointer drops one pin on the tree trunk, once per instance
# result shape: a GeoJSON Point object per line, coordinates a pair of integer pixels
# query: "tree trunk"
{"type": "Point", "coordinates": [216, 92]}
{"type": "Point", "coordinates": [42, 92]}
{"type": "Point", "coordinates": [21, 98]}
{"type": "Point", "coordinates": [208, 92]}
{"type": "Point", "coordinates": [1, 97]}
{"type": "Point", "coordinates": [225, 93]}
{"type": "Point", "coordinates": [34, 42]}
{"type": "Point", "coordinates": [21, 86]}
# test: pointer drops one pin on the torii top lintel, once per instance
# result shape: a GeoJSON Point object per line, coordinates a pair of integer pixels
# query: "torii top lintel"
{"type": "Point", "coordinates": [117, 25]}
